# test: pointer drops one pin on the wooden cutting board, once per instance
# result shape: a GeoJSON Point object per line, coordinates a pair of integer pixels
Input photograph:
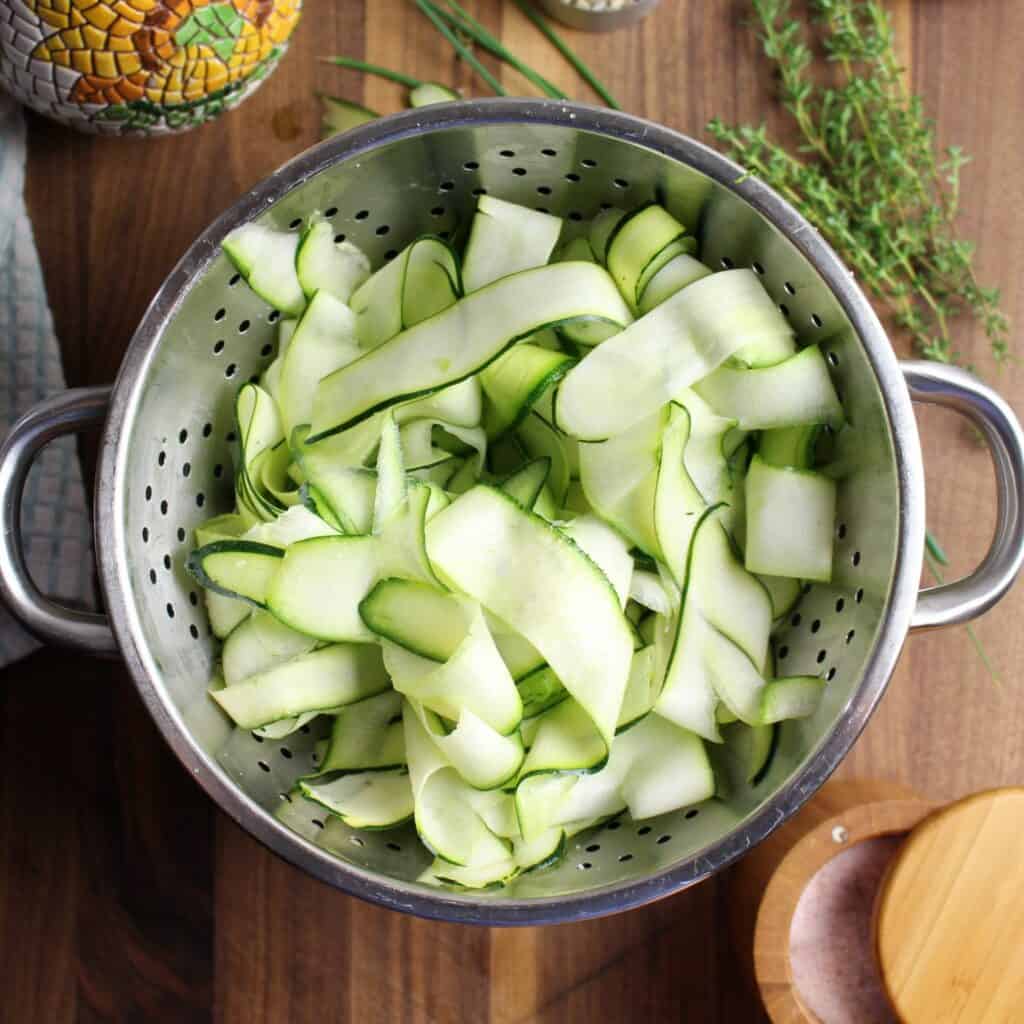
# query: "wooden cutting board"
{"type": "Point", "coordinates": [124, 895]}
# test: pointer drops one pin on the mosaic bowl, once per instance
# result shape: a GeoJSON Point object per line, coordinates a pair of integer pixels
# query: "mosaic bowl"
{"type": "Point", "coordinates": [139, 66]}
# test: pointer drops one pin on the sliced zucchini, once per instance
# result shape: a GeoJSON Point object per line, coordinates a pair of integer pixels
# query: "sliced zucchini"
{"type": "Point", "coordinates": [259, 429]}
{"type": "Point", "coordinates": [516, 651]}
{"type": "Point", "coordinates": [446, 820]}
{"type": "Point", "coordinates": [463, 339]}
{"type": "Point", "coordinates": [482, 756]}
{"type": "Point", "coordinates": [647, 589]}
{"type": "Point", "coordinates": [606, 549]}
{"type": "Point", "coordinates": [722, 627]}
{"type": "Point", "coordinates": [417, 616]}
{"type": "Point", "coordinates": [601, 229]}
{"type": "Point", "coordinates": [347, 492]}
{"type": "Point", "coordinates": [224, 527]}
{"type": "Point", "coordinates": [320, 583]}
{"type": "Point", "coordinates": [710, 452]}
{"type": "Point", "coordinates": [796, 391]}
{"type": "Point", "coordinates": [666, 350]}
{"type": "Point", "coordinates": [370, 800]}
{"type": "Point", "coordinates": [681, 270]}
{"type": "Point", "coordinates": [539, 691]}
{"type": "Point", "coordinates": [784, 592]}
{"type": "Point", "coordinates": [260, 643]}
{"type": "Point", "coordinates": [367, 735]}
{"type": "Point", "coordinates": [619, 478]}
{"type": "Point", "coordinates": [322, 264]}
{"type": "Point", "coordinates": [271, 379]}
{"type": "Point", "coordinates": [792, 697]}
{"type": "Point", "coordinates": [566, 741]}
{"type": "Point", "coordinates": [641, 690]}
{"type": "Point", "coordinates": [225, 613]}
{"type": "Point", "coordinates": [736, 679]}
{"type": "Point", "coordinates": [460, 405]}
{"type": "Point", "coordinates": [790, 522]}
{"type": "Point", "coordinates": [506, 238]}
{"type": "Point", "coordinates": [323, 679]}
{"type": "Point", "coordinates": [534, 578]}
{"type": "Point", "coordinates": [341, 115]}
{"type": "Point", "coordinates": [540, 797]}
{"type": "Point", "coordinates": [236, 568]}
{"type": "Point", "coordinates": [391, 485]}
{"type": "Point", "coordinates": [525, 484]}
{"type": "Point", "coordinates": [635, 243]}
{"type": "Point", "coordinates": [266, 260]}
{"type": "Point", "coordinates": [678, 503]}
{"type": "Point", "coordinates": [431, 92]}
{"type": "Point", "coordinates": [542, 441]}
{"type": "Point", "coordinates": [790, 446]}
{"type": "Point", "coordinates": [473, 678]}
{"type": "Point", "coordinates": [295, 524]}
{"type": "Point", "coordinates": [323, 342]}
{"type": "Point", "coordinates": [575, 249]}
{"type": "Point", "coordinates": [668, 768]}
{"type": "Point", "coordinates": [421, 281]}
{"type": "Point", "coordinates": [515, 381]}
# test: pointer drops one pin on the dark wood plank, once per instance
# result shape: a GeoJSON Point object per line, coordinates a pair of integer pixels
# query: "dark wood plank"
{"type": "Point", "coordinates": [39, 842]}
{"type": "Point", "coordinates": [147, 903]}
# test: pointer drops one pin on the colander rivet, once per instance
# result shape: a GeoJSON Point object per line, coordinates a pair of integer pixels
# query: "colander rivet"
{"type": "Point", "coordinates": [839, 834]}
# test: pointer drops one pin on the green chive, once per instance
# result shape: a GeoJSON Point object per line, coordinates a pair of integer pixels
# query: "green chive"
{"type": "Point", "coordinates": [459, 48]}
{"type": "Point", "coordinates": [465, 22]}
{"type": "Point", "coordinates": [935, 548]}
{"type": "Point", "coordinates": [566, 51]}
{"type": "Point", "coordinates": [373, 69]}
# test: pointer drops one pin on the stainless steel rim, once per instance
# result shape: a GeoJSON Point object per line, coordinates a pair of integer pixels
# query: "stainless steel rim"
{"type": "Point", "coordinates": [112, 546]}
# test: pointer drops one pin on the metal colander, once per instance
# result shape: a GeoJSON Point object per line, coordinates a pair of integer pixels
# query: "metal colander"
{"type": "Point", "coordinates": [167, 456]}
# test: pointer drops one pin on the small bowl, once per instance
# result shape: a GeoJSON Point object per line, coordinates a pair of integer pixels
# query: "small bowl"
{"type": "Point", "coordinates": [598, 15]}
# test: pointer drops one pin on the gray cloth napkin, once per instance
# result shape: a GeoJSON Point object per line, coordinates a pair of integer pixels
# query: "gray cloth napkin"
{"type": "Point", "coordinates": [55, 524]}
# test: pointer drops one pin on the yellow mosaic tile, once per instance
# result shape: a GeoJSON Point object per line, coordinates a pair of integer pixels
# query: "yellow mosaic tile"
{"type": "Point", "coordinates": [95, 39]}
{"type": "Point", "coordinates": [55, 18]}
{"type": "Point", "coordinates": [105, 64]}
{"type": "Point", "coordinates": [130, 11]}
{"type": "Point", "coordinates": [81, 60]}
{"type": "Point", "coordinates": [128, 63]}
{"type": "Point", "coordinates": [101, 16]}
{"type": "Point", "coordinates": [123, 27]}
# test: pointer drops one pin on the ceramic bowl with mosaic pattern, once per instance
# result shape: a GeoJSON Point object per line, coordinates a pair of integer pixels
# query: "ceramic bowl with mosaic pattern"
{"type": "Point", "coordinates": [139, 66]}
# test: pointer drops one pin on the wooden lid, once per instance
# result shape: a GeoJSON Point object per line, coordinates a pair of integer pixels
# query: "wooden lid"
{"type": "Point", "coordinates": [949, 918]}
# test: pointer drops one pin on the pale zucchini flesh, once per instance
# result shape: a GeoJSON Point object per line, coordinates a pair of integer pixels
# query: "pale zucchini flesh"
{"type": "Point", "coordinates": [524, 549]}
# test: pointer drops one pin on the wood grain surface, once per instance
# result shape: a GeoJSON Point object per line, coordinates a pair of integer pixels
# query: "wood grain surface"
{"type": "Point", "coordinates": [124, 895]}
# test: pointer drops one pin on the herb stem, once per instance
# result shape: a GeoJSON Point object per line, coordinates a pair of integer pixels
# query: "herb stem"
{"type": "Point", "coordinates": [870, 175]}
{"type": "Point", "coordinates": [463, 51]}
{"type": "Point", "coordinates": [459, 17]}
{"type": "Point", "coordinates": [935, 548]}
{"type": "Point", "coordinates": [374, 69]}
{"type": "Point", "coordinates": [566, 51]}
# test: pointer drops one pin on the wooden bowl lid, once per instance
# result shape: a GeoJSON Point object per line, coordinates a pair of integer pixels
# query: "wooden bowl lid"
{"type": "Point", "coordinates": [949, 917]}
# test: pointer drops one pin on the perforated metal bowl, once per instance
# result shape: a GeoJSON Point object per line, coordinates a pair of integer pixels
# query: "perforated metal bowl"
{"type": "Point", "coordinates": [166, 459]}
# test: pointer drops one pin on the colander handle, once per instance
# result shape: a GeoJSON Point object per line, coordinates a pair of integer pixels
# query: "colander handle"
{"type": "Point", "coordinates": [67, 413]}
{"type": "Point", "coordinates": [970, 597]}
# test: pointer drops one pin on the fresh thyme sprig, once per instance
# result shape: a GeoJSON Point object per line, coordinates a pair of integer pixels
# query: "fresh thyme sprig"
{"type": "Point", "coordinates": [869, 174]}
